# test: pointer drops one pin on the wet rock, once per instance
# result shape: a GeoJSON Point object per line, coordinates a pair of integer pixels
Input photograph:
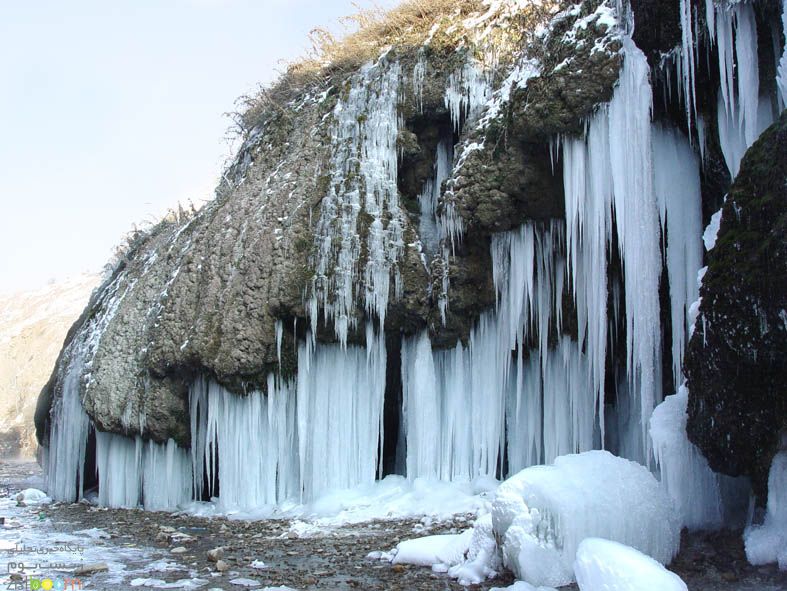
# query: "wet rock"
{"type": "Point", "coordinates": [92, 568]}
{"type": "Point", "coordinates": [179, 550]}
{"type": "Point", "coordinates": [222, 566]}
{"type": "Point", "coordinates": [216, 554]}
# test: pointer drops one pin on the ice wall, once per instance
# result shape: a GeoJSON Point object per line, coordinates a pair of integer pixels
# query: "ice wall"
{"type": "Point", "coordinates": [319, 432]}
{"type": "Point", "coordinates": [510, 389]}
{"type": "Point", "coordinates": [134, 472]}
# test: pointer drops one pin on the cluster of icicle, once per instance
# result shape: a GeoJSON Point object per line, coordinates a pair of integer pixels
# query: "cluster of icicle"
{"type": "Point", "coordinates": [363, 179]}
{"type": "Point", "coordinates": [743, 112]}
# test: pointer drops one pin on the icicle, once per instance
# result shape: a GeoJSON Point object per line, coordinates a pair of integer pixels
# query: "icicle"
{"type": "Point", "coordinates": [742, 114]}
{"type": "Point", "coordinates": [612, 171]}
{"type": "Point", "coordinates": [419, 74]}
{"type": "Point", "coordinates": [677, 188]}
{"type": "Point", "coordinates": [637, 224]}
{"type": "Point", "coordinates": [430, 195]}
{"type": "Point", "coordinates": [781, 73]}
{"type": "Point", "coordinates": [468, 90]}
{"type": "Point", "coordinates": [688, 62]}
{"type": "Point", "coordinates": [279, 327]}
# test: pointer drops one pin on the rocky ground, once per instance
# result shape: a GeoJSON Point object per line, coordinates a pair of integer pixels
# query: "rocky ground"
{"type": "Point", "coordinates": [180, 550]}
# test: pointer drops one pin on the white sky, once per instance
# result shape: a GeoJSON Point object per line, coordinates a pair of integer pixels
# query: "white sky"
{"type": "Point", "coordinates": [111, 111]}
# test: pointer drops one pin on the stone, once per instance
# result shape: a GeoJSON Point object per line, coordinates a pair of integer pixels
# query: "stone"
{"type": "Point", "coordinates": [216, 554]}
{"type": "Point", "coordinates": [92, 568]}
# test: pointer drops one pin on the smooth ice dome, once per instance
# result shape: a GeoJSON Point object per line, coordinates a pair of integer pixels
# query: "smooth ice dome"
{"type": "Point", "coordinates": [603, 565]}
{"type": "Point", "coordinates": [542, 514]}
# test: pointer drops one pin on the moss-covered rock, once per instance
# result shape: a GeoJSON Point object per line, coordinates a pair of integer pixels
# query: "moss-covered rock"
{"type": "Point", "coordinates": [735, 362]}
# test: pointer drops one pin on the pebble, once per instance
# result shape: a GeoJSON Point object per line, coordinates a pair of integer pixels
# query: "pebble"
{"type": "Point", "coordinates": [216, 554]}
{"type": "Point", "coordinates": [222, 566]}
{"type": "Point", "coordinates": [179, 550]}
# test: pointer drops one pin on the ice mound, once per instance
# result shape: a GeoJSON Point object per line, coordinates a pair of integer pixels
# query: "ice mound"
{"type": "Point", "coordinates": [685, 474]}
{"type": "Point", "coordinates": [603, 565]}
{"type": "Point", "coordinates": [543, 513]}
{"type": "Point", "coordinates": [767, 543]}
{"type": "Point", "coordinates": [445, 549]}
{"type": "Point", "coordinates": [31, 496]}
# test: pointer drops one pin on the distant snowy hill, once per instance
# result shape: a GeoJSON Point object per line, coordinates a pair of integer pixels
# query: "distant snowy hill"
{"type": "Point", "coordinates": [33, 326]}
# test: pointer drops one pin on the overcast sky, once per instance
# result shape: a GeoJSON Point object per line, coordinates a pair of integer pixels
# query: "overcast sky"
{"type": "Point", "coordinates": [111, 111]}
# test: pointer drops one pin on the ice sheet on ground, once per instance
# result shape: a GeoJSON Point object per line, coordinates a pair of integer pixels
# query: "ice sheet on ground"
{"type": "Point", "coordinates": [604, 565]}
{"type": "Point", "coordinates": [161, 584]}
{"type": "Point", "coordinates": [522, 586]}
{"type": "Point", "coordinates": [543, 513]}
{"type": "Point", "coordinates": [45, 551]}
{"type": "Point", "coordinates": [394, 497]}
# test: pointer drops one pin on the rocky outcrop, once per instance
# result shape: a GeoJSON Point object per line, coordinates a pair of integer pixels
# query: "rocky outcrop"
{"type": "Point", "coordinates": [735, 362]}
{"type": "Point", "coordinates": [225, 293]}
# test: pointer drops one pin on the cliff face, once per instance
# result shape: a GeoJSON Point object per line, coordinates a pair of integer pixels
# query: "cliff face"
{"type": "Point", "coordinates": [502, 207]}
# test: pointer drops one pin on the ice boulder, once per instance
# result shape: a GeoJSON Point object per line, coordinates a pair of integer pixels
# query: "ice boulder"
{"type": "Point", "coordinates": [604, 565]}
{"type": "Point", "coordinates": [445, 549]}
{"type": "Point", "coordinates": [543, 513]}
{"type": "Point", "coordinates": [767, 543]}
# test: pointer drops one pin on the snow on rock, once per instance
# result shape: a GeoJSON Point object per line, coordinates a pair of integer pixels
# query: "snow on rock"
{"type": "Point", "coordinates": [543, 513]}
{"type": "Point", "coordinates": [711, 232]}
{"type": "Point", "coordinates": [767, 543]}
{"type": "Point", "coordinates": [603, 565]}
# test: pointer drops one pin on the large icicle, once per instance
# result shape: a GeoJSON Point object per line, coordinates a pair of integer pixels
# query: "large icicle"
{"type": "Point", "coordinates": [430, 195]}
{"type": "Point", "coordinates": [363, 178]}
{"type": "Point", "coordinates": [677, 187]}
{"type": "Point", "coordinates": [742, 114]}
{"type": "Point", "coordinates": [613, 172]}
{"type": "Point", "coordinates": [688, 62]}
